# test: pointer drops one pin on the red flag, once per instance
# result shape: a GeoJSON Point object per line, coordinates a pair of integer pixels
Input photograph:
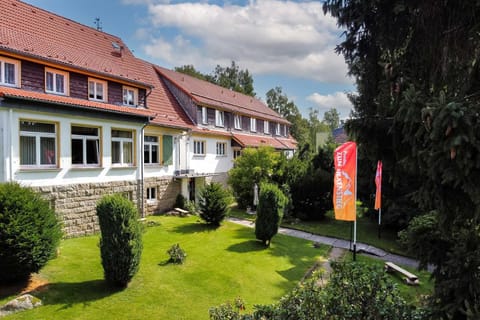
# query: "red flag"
{"type": "Point", "coordinates": [378, 183]}
{"type": "Point", "coordinates": [344, 183]}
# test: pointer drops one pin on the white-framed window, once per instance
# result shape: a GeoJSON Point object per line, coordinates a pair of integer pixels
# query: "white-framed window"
{"type": "Point", "coordinates": [56, 81]}
{"type": "Point", "coordinates": [122, 147]}
{"type": "Point", "coordinates": [199, 147]}
{"type": "Point", "coordinates": [130, 96]}
{"type": "Point", "coordinates": [38, 144]}
{"type": "Point", "coordinates": [266, 127]}
{"type": "Point", "coordinates": [151, 150]}
{"type": "Point", "coordinates": [152, 194]}
{"type": "Point", "coordinates": [237, 153]}
{"type": "Point", "coordinates": [97, 89]}
{"type": "Point", "coordinates": [219, 118]}
{"type": "Point", "coordinates": [277, 129]}
{"type": "Point", "coordinates": [221, 149]}
{"type": "Point", "coordinates": [85, 146]}
{"type": "Point", "coordinates": [9, 72]}
{"type": "Point", "coordinates": [253, 124]}
{"type": "Point", "coordinates": [284, 127]}
{"type": "Point", "coordinates": [237, 121]}
{"type": "Point", "coordinates": [204, 115]}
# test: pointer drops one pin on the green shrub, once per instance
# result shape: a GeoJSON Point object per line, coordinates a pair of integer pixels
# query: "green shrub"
{"type": "Point", "coordinates": [270, 211]}
{"type": "Point", "coordinates": [180, 201]}
{"type": "Point", "coordinates": [229, 311]}
{"type": "Point", "coordinates": [214, 201]}
{"type": "Point", "coordinates": [191, 207]}
{"type": "Point", "coordinates": [253, 166]}
{"type": "Point", "coordinates": [121, 239]}
{"type": "Point", "coordinates": [29, 232]}
{"type": "Point", "coordinates": [177, 255]}
{"type": "Point", "coordinates": [354, 291]}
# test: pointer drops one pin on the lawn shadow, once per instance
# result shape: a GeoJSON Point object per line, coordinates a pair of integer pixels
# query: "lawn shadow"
{"type": "Point", "coordinates": [247, 246]}
{"type": "Point", "coordinates": [13, 289]}
{"type": "Point", "coordinates": [194, 228]}
{"type": "Point", "coordinates": [68, 294]}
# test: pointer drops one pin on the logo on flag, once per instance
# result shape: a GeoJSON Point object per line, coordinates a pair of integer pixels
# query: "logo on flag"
{"type": "Point", "coordinates": [344, 184]}
{"type": "Point", "coordinates": [378, 184]}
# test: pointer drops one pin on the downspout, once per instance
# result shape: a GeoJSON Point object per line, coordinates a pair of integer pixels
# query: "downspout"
{"type": "Point", "coordinates": [10, 144]}
{"type": "Point", "coordinates": [142, 169]}
{"type": "Point", "coordinates": [142, 161]}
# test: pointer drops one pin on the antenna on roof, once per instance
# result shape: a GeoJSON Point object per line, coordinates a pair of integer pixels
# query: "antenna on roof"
{"type": "Point", "coordinates": [98, 23]}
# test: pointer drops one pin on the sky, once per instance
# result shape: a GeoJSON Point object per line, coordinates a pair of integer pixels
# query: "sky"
{"type": "Point", "coordinates": [282, 43]}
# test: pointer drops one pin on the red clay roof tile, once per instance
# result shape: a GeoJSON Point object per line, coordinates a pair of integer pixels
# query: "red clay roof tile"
{"type": "Point", "coordinates": [209, 94]}
{"type": "Point", "coordinates": [257, 141]}
{"type": "Point", "coordinates": [163, 103]}
{"type": "Point", "coordinates": [34, 32]}
{"type": "Point", "coordinates": [9, 92]}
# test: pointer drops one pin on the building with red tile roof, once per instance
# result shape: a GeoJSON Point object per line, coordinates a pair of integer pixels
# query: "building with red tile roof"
{"type": "Point", "coordinates": [81, 116]}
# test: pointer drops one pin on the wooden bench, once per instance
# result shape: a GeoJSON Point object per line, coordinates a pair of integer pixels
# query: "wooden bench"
{"type": "Point", "coordinates": [181, 211]}
{"type": "Point", "coordinates": [410, 278]}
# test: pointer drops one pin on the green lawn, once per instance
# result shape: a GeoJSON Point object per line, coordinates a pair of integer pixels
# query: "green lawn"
{"type": "Point", "coordinates": [221, 265]}
{"type": "Point", "coordinates": [367, 230]}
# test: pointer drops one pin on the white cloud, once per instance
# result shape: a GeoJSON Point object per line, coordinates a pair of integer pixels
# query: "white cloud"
{"type": "Point", "coordinates": [337, 100]}
{"type": "Point", "coordinates": [265, 36]}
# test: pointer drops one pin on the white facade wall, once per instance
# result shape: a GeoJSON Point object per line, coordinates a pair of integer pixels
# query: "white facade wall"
{"type": "Point", "coordinates": [210, 162]}
{"type": "Point", "coordinates": [66, 173]}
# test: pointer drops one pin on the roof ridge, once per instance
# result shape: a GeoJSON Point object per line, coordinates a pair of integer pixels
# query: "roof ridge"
{"type": "Point", "coordinates": [65, 18]}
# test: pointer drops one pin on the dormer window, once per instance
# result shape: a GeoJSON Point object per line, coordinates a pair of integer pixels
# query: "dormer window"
{"type": "Point", "coordinates": [266, 127]}
{"type": "Point", "coordinates": [219, 118]}
{"type": "Point", "coordinates": [253, 124]}
{"type": "Point", "coordinates": [9, 71]}
{"type": "Point", "coordinates": [130, 96]}
{"type": "Point", "coordinates": [56, 81]}
{"type": "Point", "coordinates": [277, 129]}
{"type": "Point", "coordinates": [237, 122]}
{"type": "Point", "coordinates": [97, 90]}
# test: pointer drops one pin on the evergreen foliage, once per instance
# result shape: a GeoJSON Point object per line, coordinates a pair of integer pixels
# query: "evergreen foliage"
{"type": "Point", "coordinates": [354, 291]}
{"type": "Point", "coordinates": [213, 204]}
{"type": "Point", "coordinates": [180, 201]}
{"type": "Point", "coordinates": [29, 232]}
{"type": "Point", "coordinates": [253, 167]}
{"type": "Point", "coordinates": [177, 255]}
{"type": "Point", "coordinates": [121, 239]}
{"type": "Point", "coordinates": [417, 72]}
{"type": "Point", "coordinates": [270, 211]}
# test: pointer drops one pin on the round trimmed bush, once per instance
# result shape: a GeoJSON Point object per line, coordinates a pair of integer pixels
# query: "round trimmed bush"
{"type": "Point", "coordinates": [29, 232]}
{"type": "Point", "coordinates": [270, 211]}
{"type": "Point", "coordinates": [120, 240]}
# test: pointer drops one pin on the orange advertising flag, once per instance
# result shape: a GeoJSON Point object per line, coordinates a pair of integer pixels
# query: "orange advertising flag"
{"type": "Point", "coordinates": [344, 182]}
{"type": "Point", "coordinates": [378, 184]}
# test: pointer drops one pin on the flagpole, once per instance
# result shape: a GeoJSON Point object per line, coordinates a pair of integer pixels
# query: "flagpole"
{"type": "Point", "coordinates": [379, 221]}
{"type": "Point", "coordinates": [355, 199]}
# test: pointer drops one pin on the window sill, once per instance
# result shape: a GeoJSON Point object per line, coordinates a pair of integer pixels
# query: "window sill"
{"type": "Point", "coordinates": [221, 155]}
{"type": "Point", "coordinates": [123, 166]}
{"type": "Point", "coordinates": [199, 155]}
{"type": "Point", "coordinates": [39, 169]}
{"type": "Point", "coordinates": [56, 93]}
{"type": "Point", "coordinates": [81, 168]}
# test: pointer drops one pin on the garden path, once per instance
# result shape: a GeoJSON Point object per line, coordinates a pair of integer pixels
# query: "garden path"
{"type": "Point", "coordinates": [340, 243]}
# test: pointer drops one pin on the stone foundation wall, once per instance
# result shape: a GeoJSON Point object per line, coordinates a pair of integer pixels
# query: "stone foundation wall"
{"type": "Point", "coordinates": [75, 204]}
{"type": "Point", "coordinates": [167, 191]}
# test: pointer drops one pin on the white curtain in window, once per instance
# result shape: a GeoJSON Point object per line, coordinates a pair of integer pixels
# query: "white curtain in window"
{"type": "Point", "coordinates": [27, 150]}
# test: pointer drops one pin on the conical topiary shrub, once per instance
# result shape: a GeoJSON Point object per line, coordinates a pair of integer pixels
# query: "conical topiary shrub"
{"type": "Point", "coordinates": [121, 239]}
